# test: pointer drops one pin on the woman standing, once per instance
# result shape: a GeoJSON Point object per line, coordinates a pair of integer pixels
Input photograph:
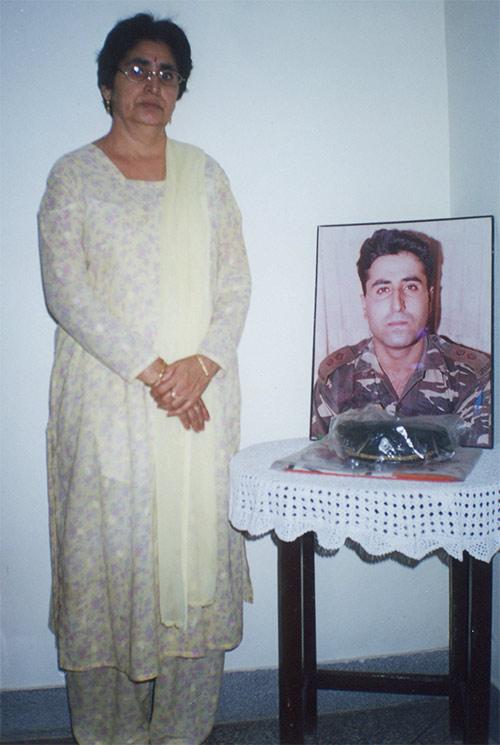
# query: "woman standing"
{"type": "Point", "coordinates": [145, 273]}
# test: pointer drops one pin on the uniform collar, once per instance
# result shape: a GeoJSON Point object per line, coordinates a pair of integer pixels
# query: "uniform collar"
{"type": "Point", "coordinates": [430, 366]}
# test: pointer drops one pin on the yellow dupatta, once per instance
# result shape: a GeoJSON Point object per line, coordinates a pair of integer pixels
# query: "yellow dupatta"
{"type": "Point", "coordinates": [185, 460]}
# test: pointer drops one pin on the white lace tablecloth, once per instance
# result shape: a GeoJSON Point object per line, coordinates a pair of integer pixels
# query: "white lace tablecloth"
{"type": "Point", "coordinates": [382, 515]}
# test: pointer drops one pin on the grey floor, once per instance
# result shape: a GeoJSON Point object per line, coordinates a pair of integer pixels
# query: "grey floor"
{"type": "Point", "coordinates": [422, 723]}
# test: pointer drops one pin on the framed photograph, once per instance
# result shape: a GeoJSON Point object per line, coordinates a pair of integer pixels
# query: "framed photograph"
{"type": "Point", "coordinates": [404, 319]}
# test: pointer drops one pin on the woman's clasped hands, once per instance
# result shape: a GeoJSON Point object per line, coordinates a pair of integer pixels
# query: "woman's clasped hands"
{"type": "Point", "coordinates": [179, 389]}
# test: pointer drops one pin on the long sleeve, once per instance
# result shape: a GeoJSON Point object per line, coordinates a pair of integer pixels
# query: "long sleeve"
{"type": "Point", "coordinates": [69, 288]}
{"type": "Point", "coordinates": [232, 277]}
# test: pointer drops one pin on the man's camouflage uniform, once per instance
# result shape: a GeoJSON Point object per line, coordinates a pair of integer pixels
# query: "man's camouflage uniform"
{"type": "Point", "coordinates": [449, 379]}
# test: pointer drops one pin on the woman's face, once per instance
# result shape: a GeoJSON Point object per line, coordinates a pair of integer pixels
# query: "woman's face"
{"type": "Point", "coordinates": [148, 102]}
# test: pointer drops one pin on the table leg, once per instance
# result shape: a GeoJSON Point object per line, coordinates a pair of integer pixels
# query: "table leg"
{"type": "Point", "coordinates": [477, 706]}
{"type": "Point", "coordinates": [290, 640]}
{"type": "Point", "coordinates": [458, 647]}
{"type": "Point", "coordinates": [309, 626]}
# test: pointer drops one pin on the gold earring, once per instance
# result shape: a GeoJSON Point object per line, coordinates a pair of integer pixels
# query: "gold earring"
{"type": "Point", "coordinates": [107, 105]}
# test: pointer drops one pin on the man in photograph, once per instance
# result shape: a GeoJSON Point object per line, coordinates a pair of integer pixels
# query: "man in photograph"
{"type": "Point", "coordinates": [402, 366]}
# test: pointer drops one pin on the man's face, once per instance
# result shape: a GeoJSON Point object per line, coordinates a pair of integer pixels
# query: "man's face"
{"type": "Point", "coordinates": [397, 300]}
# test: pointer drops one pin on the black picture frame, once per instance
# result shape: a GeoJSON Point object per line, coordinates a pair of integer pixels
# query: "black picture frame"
{"type": "Point", "coordinates": [462, 301]}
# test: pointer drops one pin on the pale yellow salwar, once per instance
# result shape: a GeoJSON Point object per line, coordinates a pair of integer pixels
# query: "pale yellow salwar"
{"type": "Point", "coordinates": [178, 708]}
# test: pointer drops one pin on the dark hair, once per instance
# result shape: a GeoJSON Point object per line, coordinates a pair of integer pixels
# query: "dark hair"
{"type": "Point", "coordinates": [142, 27]}
{"type": "Point", "coordinates": [386, 242]}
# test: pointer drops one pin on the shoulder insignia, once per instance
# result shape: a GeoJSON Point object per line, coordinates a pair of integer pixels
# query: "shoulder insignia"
{"type": "Point", "coordinates": [478, 362]}
{"type": "Point", "coordinates": [339, 358]}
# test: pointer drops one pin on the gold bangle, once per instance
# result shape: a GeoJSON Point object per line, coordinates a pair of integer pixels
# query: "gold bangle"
{"type": "Point", "coordinates": [203, 366]}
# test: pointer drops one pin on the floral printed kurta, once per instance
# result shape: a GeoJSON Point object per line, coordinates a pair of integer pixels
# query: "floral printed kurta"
{"type": "Point", "coordinates": [99, 242]}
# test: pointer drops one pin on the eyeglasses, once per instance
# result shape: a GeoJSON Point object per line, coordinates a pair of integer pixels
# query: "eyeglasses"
{"type": "Point", "coordinates": [138, 74]}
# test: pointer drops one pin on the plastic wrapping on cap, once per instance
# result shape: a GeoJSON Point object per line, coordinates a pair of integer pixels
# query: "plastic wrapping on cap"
{"type": "Point", "coordinates": [371, 434]}
{"type": "Point", "coordinates": [372, 443]}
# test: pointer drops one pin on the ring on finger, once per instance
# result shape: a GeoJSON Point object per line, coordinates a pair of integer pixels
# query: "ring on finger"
{"type": "Point", "coordinates": [173, 394]}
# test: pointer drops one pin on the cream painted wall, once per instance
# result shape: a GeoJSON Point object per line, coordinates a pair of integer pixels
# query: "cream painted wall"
{"type": "Point", "coordinates": [473, 50]}
{"type": "Point", "coordinates": [320, 112]}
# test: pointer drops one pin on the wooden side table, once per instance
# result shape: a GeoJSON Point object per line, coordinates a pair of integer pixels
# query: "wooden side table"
{"type": "Point", "coordinates": [467, 684]}
{"type": "Point", "coordinates": [381, 515]}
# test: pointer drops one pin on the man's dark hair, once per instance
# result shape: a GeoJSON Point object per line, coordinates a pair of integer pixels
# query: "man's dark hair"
{"type": "Point", "coordinates": [386, 242]}
{"type": "Point", "coordinates": [142, 27]}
